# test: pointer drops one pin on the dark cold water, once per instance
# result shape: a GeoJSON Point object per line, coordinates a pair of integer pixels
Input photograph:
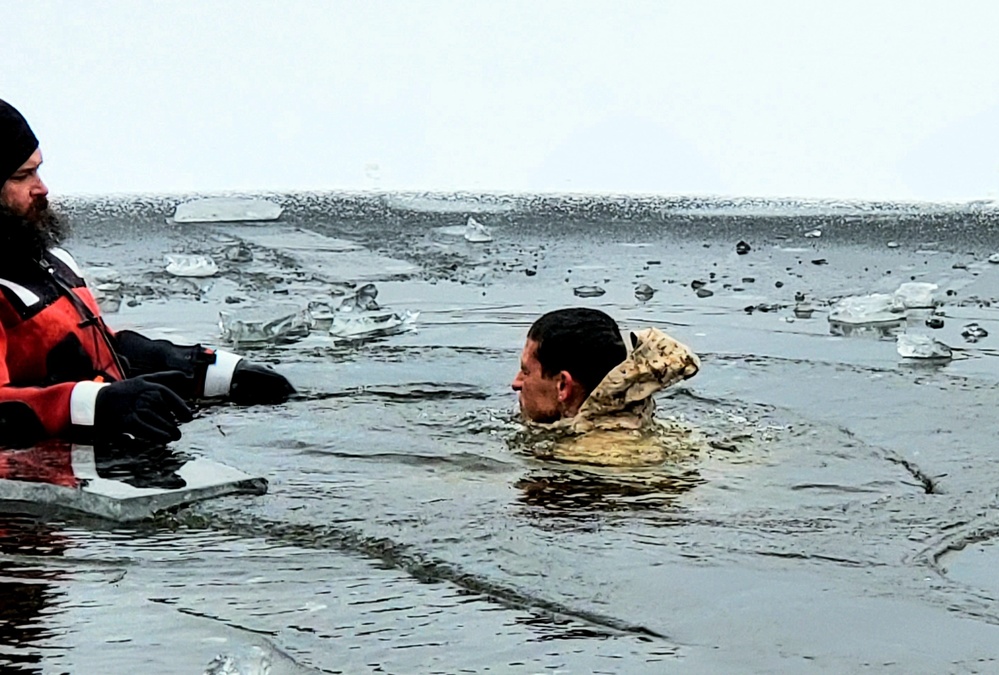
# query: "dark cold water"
{"type": "Point", "coordinates": [840, 515]}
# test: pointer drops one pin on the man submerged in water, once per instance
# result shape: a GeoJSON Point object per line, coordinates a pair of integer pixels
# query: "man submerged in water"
{"type": "Point", "coordinates": [63, 372]}
{"type": "Point", "coordinates": [578, 379]}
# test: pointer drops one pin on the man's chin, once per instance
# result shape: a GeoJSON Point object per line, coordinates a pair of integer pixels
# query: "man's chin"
{"type": "Point", "coordinates": [536, 418]}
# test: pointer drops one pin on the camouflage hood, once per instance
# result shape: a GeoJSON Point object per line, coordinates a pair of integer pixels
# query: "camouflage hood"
{"type": "Point", "coordinates": [614, 426]}
{"type": "Point", "coordinates": [623, 399]}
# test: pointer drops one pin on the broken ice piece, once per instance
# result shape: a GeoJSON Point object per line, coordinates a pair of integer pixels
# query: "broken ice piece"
{"type": "Point", "coordinates": [916, 295]}
{"type": "Point", "coordinates": [973, 332]}
{"type": "Point", "coordinates": [283, 329]}
{"type": "Point", "coordinates": [994, 258]}
{"type": "Point", "coordinates": [354, 327]}
{"type": "Point", "coordinates": [588, 291]}
{"type": "Point", "coordinates": [813, 234]}
{"type": "Point", "coordinates": [803, 310]}
{"type": "Point", "coordinates": [476, 232]}
{"type": "Point", "coordinates": [644, 292]}
{"type": "Point", "coordinates": [363, 300]}
{"type": "Point", "coordinates": [863, 309]}
{"type": "Point", "coordinates": [239, 252]}
{"type": "Point", "coordinates": [226, 209]}
{"type": "Point", "coordinates": [191, 265]}
{"type": "Point", "coordinates": [919, 346]}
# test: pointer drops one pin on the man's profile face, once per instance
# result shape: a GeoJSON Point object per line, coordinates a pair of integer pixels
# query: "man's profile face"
{"type": "Point", "coordinates": [538, 394]}
{"type": "Point", "coordinates": [24, 193]}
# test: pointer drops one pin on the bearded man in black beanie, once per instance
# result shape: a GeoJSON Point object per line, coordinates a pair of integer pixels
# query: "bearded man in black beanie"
{"type": "Point", "coordinates": [63, 372]}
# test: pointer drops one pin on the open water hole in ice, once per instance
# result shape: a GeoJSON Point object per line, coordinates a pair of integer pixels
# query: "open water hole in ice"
{"type": "Point", "coordinates": [406, 530]}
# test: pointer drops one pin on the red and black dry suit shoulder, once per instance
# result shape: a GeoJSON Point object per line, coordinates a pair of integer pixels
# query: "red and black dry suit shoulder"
{"type": "Point", "coordinates": [56, 353]}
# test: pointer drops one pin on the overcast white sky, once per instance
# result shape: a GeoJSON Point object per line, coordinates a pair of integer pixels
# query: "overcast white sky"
{"type": "Point", "coordinates": [782, 98]}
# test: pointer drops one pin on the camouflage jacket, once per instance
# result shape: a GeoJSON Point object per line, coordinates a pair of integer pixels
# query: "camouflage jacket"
{"type": "Point", "coordinates": [615, 426]}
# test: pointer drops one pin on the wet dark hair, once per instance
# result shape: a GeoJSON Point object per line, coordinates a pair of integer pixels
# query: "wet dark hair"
{"type": "Point", "coordinates": [585, 342]}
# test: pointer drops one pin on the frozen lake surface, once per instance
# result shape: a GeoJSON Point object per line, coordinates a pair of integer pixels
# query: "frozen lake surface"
{"type": "Point", "coordinates": [840, 517]}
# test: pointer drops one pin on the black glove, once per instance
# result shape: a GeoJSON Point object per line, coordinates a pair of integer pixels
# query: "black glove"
{"type": "Point", "coordinates": [254, 383]}
{"type": "Point", "coordinates": [144, 408]}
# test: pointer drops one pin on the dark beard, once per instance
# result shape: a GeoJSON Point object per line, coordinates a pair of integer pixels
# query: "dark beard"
{"type": "Point", "coordinates": [25, 239]}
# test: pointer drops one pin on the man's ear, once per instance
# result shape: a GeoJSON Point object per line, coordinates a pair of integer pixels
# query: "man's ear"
{"type": "Point", "coordinates": [566, 386]}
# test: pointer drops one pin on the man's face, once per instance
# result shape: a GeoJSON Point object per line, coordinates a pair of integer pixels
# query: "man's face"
{"type": "Point", "coordinates": [538, 394]}
{"type": "Point", "coordinates": [24, 193]}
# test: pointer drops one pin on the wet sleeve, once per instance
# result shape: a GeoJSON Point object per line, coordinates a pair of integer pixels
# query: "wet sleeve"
{"type": "Point", "coordinates": [211, 369]}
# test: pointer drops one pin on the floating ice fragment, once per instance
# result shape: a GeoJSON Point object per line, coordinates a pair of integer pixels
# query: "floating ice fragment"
{"type": "Point", "coordinates": [919, 346]}
{"type": "Point", "coordinates": [103, 275]}
{"type": "Point", "coordinates": [893, 244]}
{"type": "Point", "coordinates": [264, 331]}
{"type": "Point", "coordinates": [588, 291]}
{"type": "Point", "coordinates": [362, 301]}
{"type": "Point", "coordinates": [191, 266]}
{"type": "Point", "coordinates": [973, 332]}
{"type": "Point", "coordinates": [476, 232]}
{"type": "Point", "coordinates": [105, 284]}
{"type": "Point", "coordinates": [916, 295]}
{"type": "Point", "coordinates": [256, 661]}
{"type": "Point", "coordinates": [644, 292]}
{"type": "Point", "coordinates": [994, 258]}
{"type": "Point", "coordinates": [239, 252]}
{"type": "Point", "coordinates": [865, 309]}
{"type": "Point", "coordinates": [813, 234]}
{"type": "Point", "coordinates": [349, 326]}
{"type": "Point", "coordinates": [803, 310]}
{"type": "Point", "coordinates": [226, 209]}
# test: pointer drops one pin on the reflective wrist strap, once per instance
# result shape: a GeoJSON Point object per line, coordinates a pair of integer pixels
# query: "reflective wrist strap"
{"type": "Point", "coordinates": [218, 378]}
{"type": "Point", "coordinates": [83, 402]}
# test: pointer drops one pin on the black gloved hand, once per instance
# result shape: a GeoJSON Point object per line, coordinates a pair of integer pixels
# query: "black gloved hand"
{"type": "Point", "coordinates": [255, 383]}
{"type": "Point", "coordinates": [144, 408]}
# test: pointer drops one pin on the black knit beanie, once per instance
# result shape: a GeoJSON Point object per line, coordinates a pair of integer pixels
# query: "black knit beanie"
{"type": "Point", "coordinates": [17, 142]}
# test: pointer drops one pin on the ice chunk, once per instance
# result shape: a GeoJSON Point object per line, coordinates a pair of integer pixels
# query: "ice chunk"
{"type": "Point", "coordinates": [916, 295]}
{"type": "Point", "coordinates": [813, 234]}
{"type": "Point", "coordinates": [105, 284]}
{"type": "Point", "coordinates": [803, 310]}
{"type": "Point", "coordinates": [226, 209]}
{"type": "Point", "coordinates": [264, 331]}
{"type": "Point", "coordinates": [476, 232]}
{"type": "Point", "coordinates": [644, 292]}
{"type": "Point", "coordinates": [239, 252]}
{"type": "Point", "coordinates": [973, 332]}
{"type": "Point", "coordinates": [588, 291]}
{"type": "Point", "coordinates": [919, 346]}
{"type": "Point", "coordinates": [103, 275]}
{"type": "Point", "coordinates": [356, 326]}
{"type": "Point", "coordinates": [361, 301]}
{"type": "Point", "coordinates": [866, 309]}
{"type": "Point", "coordinates": [322, 315]}
{"type": "Point", "coordinates": [114, 483]}
{"type": "Point", "coordinates": [191, 265]}
{"type": "Point", "coordinates": [994, 258]}
{"type": "Point", "coordinates": [255, 661]}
